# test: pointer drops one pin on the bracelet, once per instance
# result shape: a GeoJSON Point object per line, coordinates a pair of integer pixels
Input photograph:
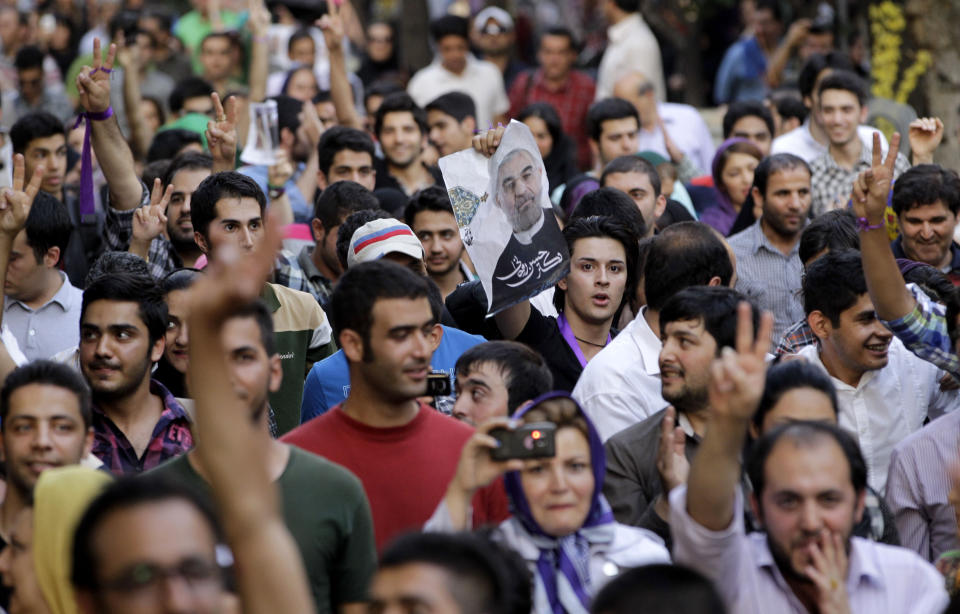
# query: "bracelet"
{"type": "Point", "coordinates": [863, 225]}
{"type": "Point", "coordinates": [275, 193]}
{"type": "Point", "coordinates": [102, 115]}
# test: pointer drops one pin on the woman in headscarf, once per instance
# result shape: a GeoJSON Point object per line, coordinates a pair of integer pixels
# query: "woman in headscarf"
{"type": "Point", "coordinates": [556, 148]}
{"type": "Point", "coordinates": [561, 526]}
{"type": "Point", "coordinates": [733, 167]}
{"type": "Point", "coordinates": [37, 561]}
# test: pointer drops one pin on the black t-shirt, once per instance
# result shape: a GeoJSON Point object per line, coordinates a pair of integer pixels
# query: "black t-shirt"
{"type": "Point", "coordinates": [386, 180]}
{"type": "Point", "coordinates": [543, 334]}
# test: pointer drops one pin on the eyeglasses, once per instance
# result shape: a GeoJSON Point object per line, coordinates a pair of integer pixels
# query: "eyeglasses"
{"type": "Point", "coordinates": [146, 579]}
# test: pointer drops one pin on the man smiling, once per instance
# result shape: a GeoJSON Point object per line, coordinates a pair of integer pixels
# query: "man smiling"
{"type": "Point", "coordinates": [885, 393]}
{"type": "Point", "coordinates": [926, 201]}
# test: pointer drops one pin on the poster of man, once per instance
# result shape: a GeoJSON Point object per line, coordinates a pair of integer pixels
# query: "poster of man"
{"type": "Point", "coordinates": [506, 219]}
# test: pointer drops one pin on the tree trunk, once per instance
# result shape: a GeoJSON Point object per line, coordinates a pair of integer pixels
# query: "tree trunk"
{"type": "Point", "coordinates": [932, 26]}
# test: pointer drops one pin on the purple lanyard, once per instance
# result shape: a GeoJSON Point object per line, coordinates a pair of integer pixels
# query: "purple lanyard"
{"type": "Point", "coordinates": [571, 340]}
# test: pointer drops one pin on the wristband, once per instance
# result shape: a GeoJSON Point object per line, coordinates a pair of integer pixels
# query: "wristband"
{"type": "Point", "coordinates": [97, 117]}
{"type": "Point", "coordinates": [863, 225]}
{"type": "Point", "coordinates": [275, 193]}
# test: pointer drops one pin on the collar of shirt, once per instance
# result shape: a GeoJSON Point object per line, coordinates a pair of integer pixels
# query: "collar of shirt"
{"type": "Point", "coordinates": [472, 61]}
{"type": "Point", "coordinates": [864, 162]}
{"type": "Point", "coordinates": [305, 261]}
{"type": "Point", "coordinates": [621, 31]}
{"type": "Point", "coordinates": [759, 240]}
{"type": "Point", "coordinates": [172, 409]}
{"type": "Point", "coordinates": [269, 297]}
{"type": "Point", "coordinates": [64, 297]}
{"type": "Point", "coordinates": [812, 354]}
{"type": "Point", "coordinates": [647, 341]}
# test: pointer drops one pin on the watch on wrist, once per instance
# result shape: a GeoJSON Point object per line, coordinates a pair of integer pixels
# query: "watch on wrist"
{"type": "Point", "coordinates": [275, 192]}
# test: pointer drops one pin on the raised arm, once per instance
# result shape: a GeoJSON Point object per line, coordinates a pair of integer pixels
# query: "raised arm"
{"type": "Point", "coordinates": [113, 152]}
{"type": "Point", "coordinates": [149, 222]}
{"type": "Point", "coordinates": [737, 380]}
{"type": "Point", "coordinates": [270, 571]}
{"type": "Point", "coordinates": [340, 92]}
{"type": "Point", "coordinates": [889, 293]}
{"type": "Point", "coordinates": [925, 135]}
{"type": "Point", "coordinates": [129, 58]}
{"type": "Point", "coordinates": [259, 24]}
{"type": "Point", "coordinates": [781, 55]}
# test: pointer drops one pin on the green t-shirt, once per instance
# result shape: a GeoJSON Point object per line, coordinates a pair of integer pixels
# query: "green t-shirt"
{"type": "Point", "coordinates": [326, 511]}
{"type": "Point", "coordinates": [192, 28]}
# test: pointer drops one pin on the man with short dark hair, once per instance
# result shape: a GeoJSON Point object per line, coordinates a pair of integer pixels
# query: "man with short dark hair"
{"type": "Point", "coordinates": [842, 98]}
{"type": "Point", "coordinates": [751, 120]}
{"type": "Point", "coordinates": [741, 75]}
{"type": "Point", "coordinates": [639, 180]}
{"type": "Point", "coordinates": [401, 128]}
{"type": "Point", "coordinates": [430, 215]}
{"type": "Point", "coordinates": [621, 386]}
{"type": "Point", "coordinates": [885, 393]}
{"type": "Point", "coordinates": [497, 377]}
{"type": "Point", "coordinates": [613, 127]}
{"type": "Point", "coordinates": [809, 485]}
{"type": "Point", "coordinates": [368, 236]}
{"type": "Point", "coordinates": [387, 329]}
{"type": "Point", "coordinates": [216, 61]}
{"type": "Point", "coordinates": [926, 201]}
{"type": "Point", "coordinates": [335, 539]}
{"type": "Point", "coordinates": [33, 94]}
{"type": "Point", "coordinates": [316, 268]}
{"type": "Point", "coordinates": [41, 306]}
{"type": "Point", "coordinates": [228, 214]}
{"type": "Point", "coordinates": [175, 248]}
{"type": "Point", "coordinates": [452, 122]}
{"type": "Point", "coordinates": [456, 69]}
{"type": "Point", "coordinates": [346, 154]}
{"type": "Point", "coordinates": [137, 422]}
{"type": "Point", "coordinates": [190, 95]}
{"type": "Point", "coordinates": [769, 270]}
{"type": "Point", "coordinates": [45, 422]}
{"type": "Point", "coordinates": [696, 324]}
{"type": "Point", "coordinates": [463, 574]}
{"type": "Point", "coordinates": [558, 83]}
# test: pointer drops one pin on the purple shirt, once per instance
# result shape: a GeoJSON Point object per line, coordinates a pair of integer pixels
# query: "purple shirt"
{"type": "Point", "coordinates": [171, 437]}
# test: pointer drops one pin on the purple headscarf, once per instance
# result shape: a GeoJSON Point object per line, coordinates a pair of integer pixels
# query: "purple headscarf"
{"type": "Point", "coordinates": [722, 215]}
{"type": "Point", "coordinates": [563, 566]}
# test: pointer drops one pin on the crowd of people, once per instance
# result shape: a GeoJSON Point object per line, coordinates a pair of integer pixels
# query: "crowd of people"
{"type": "Point", "coordinates": [254, 369]}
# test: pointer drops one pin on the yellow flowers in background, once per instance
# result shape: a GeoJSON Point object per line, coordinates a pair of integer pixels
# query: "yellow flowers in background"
{"type": "Point", "coordinates": [887, 23]}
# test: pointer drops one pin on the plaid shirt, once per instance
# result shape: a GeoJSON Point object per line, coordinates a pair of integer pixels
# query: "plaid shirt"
{"type": "Point", "coordinates": [924, 332]}
{"type": "Point", "coordinates": [797, 336]}
{"type": "Point", "coordinates": [161, 257]}
{"type": "Point", "coordinates": [302, 274]}
{"type": "Point", "coordinates": [831, 185]}
{"type": "Point", "coordinates": [571, 102]}
{"type": "Point", "coordinates": [171, 437]}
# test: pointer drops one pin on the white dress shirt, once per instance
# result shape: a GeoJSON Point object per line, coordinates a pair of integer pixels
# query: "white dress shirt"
{"type": "Point", "coordinates": [687, 129]}
{"type": "Point", "coordinates": [880, 578]}
{"type": "Point", "coordinates": [621, 385]}
{"type": "Point", "coordinates": [888, 404]}
{"type": "Point", "coordinates": [631, 46]}
{"type": "Point", "coordinates": [918, 487]}
{"type": "Point", "coordinates": [481, 80]}
{"type": "Point", "coordinates": [800, 142]}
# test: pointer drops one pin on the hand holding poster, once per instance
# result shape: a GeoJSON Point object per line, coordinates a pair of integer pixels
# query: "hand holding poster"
{"type": "Point", "coordinates": [506, 220]}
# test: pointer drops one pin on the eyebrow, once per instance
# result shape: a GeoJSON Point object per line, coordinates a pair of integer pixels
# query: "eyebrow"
{"type": "Point", "coordinates": [114, 328]}
{"type": "Point", "coordinates": [473, 381]}
{"type": "Point", "coordinates": [233, 221]}
{"type": "Point", "coordinates": [526, 168]}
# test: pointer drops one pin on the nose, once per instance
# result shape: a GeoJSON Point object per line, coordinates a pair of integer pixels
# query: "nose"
{"type": "Point", "coordinates": [42, 438]}
{"type": "Point", "coordinates": [246, 238]}
{"type": "Point", "coordinates": [177, 596]}
{"type": "Point", "coordinates": [558, 481]}
{"type": "Point", "coordinates": [810, 517]}
{"type": "Point", "coordinates": [183, 335]}
{"type": "Point", "coordinates": [103, 347]}
{"type": "Point", "coordinates": [421, 347]}
{"type": "Point", "coordinates": [186, 205]}
{"type": "Point", "coordinates": [926, 231]}
{"type": "Point", "coordinates": [603, 276]}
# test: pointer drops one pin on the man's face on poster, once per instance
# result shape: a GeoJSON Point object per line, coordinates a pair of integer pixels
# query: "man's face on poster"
{"type": "Point", "coordinates": [518, 190]}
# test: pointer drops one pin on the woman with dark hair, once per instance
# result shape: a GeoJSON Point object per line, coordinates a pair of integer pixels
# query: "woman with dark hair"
{"type": "Point", "coordinates": [381, 59]}
{"type": "Point", "coordinates": [172, 366]}
{"type": "Point", "coordinates": [300, 84]}
{"type": "Point", "coordinates": [556, 148]}
{"type": "Point", "coordinates": [733, 167]}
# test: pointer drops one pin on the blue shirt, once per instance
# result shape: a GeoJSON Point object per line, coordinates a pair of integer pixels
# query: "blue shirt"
{"type": "Point", "coordinates": [302, 210]}
{"type": "Point", "coordinates": [740, 76]}
{"type": "Point", "coordinates": [328, 382]}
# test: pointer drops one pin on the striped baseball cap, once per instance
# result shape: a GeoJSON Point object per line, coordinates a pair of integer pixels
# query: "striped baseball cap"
{"type": "Point", "coordinates": [377, 238]}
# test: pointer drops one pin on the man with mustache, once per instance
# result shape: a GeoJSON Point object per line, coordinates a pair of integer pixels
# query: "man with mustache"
{"type": "Point", "coordinates": [518, 197]}
{"type": "Point", "coordinates": [137, 422]}
{"type": "Point", "coordinates": [809, 486]}
{"type": "Point", "coordinates": [885, 392]}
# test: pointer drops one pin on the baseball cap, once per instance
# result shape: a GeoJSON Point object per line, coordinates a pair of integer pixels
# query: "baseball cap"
{"type": "Point", "coordinates": [495, 13]}
{"type": "Point", "coordinates": [377, 238]}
